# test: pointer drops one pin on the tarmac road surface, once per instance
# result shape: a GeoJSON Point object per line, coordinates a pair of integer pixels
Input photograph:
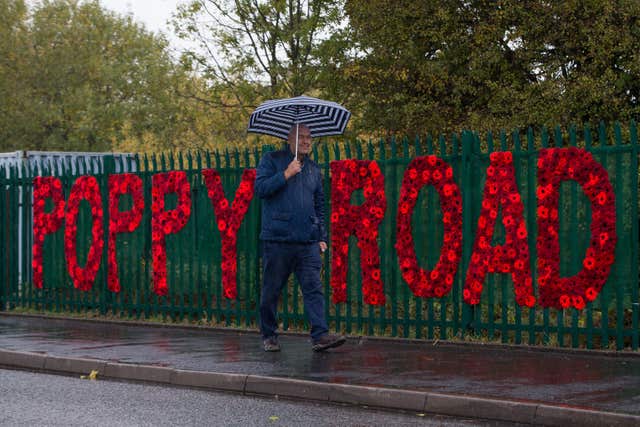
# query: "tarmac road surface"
{"type": "Point", "coordinates": [39, 399]}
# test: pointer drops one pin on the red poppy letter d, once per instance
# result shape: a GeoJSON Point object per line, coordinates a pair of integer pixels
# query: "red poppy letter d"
{"type": "Point", "coordinates": [554, 166]}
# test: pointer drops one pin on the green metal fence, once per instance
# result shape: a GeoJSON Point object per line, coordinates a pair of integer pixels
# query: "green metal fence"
{"type": "Point", "coordinates": [194, 275]}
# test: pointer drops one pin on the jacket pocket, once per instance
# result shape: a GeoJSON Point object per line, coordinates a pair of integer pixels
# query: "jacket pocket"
{"type": "Point", "coordinates": [280, 223]}
{"type": "Point", "coordinates": [315, 232]}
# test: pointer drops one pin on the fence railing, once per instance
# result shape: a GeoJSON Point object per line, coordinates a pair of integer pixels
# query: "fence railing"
{"type": "Point", "coordinates": [194, 253]}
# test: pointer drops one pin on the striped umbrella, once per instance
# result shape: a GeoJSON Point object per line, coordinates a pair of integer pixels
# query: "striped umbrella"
{"type": "Point", "coordinates": [276, 117]}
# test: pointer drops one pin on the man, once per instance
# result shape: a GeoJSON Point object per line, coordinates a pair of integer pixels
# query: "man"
{"type": "Point", "coordinates": [293, 236]}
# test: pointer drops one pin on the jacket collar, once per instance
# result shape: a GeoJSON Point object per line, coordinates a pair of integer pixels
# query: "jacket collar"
{"type": "Point", "coordinates": [290, 155]}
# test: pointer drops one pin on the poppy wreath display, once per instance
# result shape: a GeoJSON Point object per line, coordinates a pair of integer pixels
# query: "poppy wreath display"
{"type": "Point", "coordinates": [429, 170]}
{"type": "Point", "coordinates": [84, 188]}
{"type": "Point", "coordinates": [363, 221]}
{"type": "Point", "coordinates": [228, 218]}
{"type": "Point", "coordinates": [166, 222]}
{"type": "Point", "coordinates": [122, 222]}
{"type": "Point", "coordinates": [554, 166]}
{"type": "Point", "coordinates": [45, 223]}
{"type": "Point", "coordinates": [501, 191]}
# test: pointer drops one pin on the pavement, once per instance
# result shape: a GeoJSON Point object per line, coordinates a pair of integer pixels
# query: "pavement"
{"type": "Point", "coordinates": [520, 384]}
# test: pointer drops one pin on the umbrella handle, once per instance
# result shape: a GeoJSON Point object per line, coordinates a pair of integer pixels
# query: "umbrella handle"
{"type": "Point", "coordinates": [297, 127]}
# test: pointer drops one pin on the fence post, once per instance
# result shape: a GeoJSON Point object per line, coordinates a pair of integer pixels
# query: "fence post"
{"type": "Point", "coordinates": [259, 154]}
{"type": "Point", "coordinates": [466, 173]}
{"type": "Point", "coordinates": [4, 282]}
{"type": "Point", "coordinates": [108, 168]}
{"type": "Point", "coordinates": [635, 237]}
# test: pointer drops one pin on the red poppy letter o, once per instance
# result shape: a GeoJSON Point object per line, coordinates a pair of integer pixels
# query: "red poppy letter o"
{"type": "Point", "coordinates": [430, 170]}
{"type": "Point", "coordinates": [85, 187]}
{"type": "Point", "coordinates": [363, 221]}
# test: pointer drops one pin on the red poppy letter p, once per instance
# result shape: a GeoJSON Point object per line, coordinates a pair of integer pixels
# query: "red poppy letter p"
{"type": "Point", "coordinates": [165, 222]}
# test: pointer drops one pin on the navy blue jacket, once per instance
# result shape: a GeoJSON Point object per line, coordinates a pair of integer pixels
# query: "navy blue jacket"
{"type": "Point", "coordinates": [292, 210]}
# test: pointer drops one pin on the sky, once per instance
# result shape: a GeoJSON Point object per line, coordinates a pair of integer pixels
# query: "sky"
{"type": "Point", "coordinates": [153, 13]}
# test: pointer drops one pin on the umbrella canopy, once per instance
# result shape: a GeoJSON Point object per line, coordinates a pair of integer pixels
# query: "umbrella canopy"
{"type": "Point", "coordinates": [276, 117]}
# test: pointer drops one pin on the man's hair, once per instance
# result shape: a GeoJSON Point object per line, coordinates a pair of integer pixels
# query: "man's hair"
{"type": "Point", "coordinates": [292, 131]}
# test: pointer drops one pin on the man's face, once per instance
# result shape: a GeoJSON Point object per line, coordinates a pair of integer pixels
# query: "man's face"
{"type": "Point", "coordinates": [304, 140]}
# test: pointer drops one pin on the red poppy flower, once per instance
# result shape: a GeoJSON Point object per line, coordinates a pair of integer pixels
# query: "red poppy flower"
{"type": "Point", "coordinates": [578, 302]}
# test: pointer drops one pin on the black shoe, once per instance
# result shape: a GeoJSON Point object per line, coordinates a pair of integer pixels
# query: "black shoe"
{"type": "Point", "coordinates": [328, 341]}
{"type": "Point", "coordinates": [271, 344]}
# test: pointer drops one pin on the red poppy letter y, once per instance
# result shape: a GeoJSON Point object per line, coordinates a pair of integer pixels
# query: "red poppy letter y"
{"type": "Point", "coordinates": [229, 217]}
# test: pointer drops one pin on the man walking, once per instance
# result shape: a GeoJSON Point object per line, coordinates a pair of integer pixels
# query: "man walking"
{"type": "Point", "coordinates": [293, 236]}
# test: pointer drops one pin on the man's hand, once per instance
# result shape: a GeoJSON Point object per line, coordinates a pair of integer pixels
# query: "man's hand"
{"type": "Point", "coordinates": [293, 169]}
{"type": "Point", "coordinates": [323, 246]}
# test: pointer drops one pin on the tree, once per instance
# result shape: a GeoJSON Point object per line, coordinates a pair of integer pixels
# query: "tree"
{"type": "Point", "coordinates": [14, 94]}
{"type": "Point", "coordinates": [83, 78]}
{"type": "Point", "coordinates": [454, 64]}
{"type": "Point", "coordinates": [252, 50]}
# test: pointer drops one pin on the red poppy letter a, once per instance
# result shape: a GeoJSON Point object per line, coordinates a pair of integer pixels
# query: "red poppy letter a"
{"type": "Point", "coordinates": [45, 223]}
{"type": "Point", "coordinates": [363, 221]}
{"type": "Point", "coordinates": [167, 222]}
{"type": "Point", "coordinates": [122, 222]}
{"type": "Point", "coordinates": [229, 216]}
{"type": "Point", "coordinates": [554, 166]}
{"type": "Point", "coordinates": [501, 190]}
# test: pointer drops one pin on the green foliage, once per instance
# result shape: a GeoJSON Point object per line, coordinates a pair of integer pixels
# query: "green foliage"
{"type": "Point", "coordinates": [74, 76]}
{"type": "Point", "coordinates": [257, 48]}
{"type": "Point", "coordinates": [444, 66]}
{"type": "Point", "coordinates": [13, 40]}
{"type": "Point", "coordinates": [252, 50]}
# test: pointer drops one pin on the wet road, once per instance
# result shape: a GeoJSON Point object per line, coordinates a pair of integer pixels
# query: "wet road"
{"type": "Point", "coordinates": [52, 400]}
{"type": "Point", "coordinates": [601, 382]}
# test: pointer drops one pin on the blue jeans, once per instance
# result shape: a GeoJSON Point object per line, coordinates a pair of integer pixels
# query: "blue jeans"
{"type": "Point", "coordinates": [279, 260]}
